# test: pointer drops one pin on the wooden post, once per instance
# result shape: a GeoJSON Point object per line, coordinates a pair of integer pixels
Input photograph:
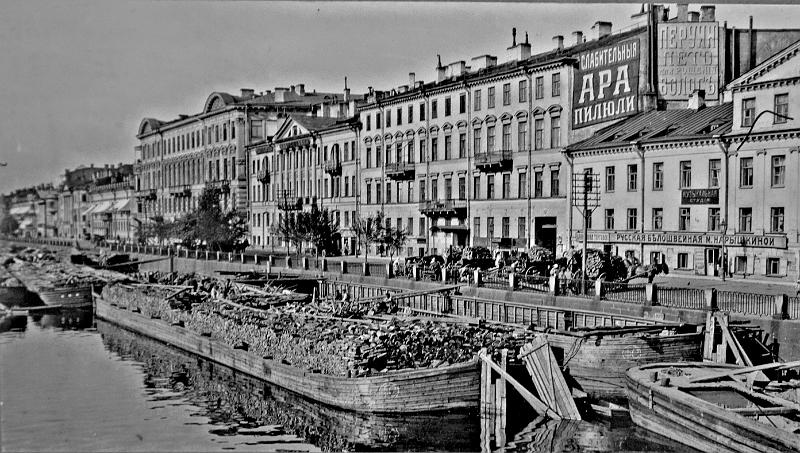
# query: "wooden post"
{"type": "Point", "coordinates": [389, 273]}
{"type": "Point", "coordinates": [500, 405]}
{"type": "Point", "coordinates": [485, 406]}
{"type": "Point", "coordinates": [781, 307]}
{"type": "Point", "coordinates": [708, 342]}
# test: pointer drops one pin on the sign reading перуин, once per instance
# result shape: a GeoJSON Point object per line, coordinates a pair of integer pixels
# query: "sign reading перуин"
{"type": "Point", "coordinates": [606, 84]}
{"type": "Point", "coordinates": [688, 59]}
{"type": "Point", "coordinates": [685, 238]}
{"type": "Point", "coordinates": [700, 196]}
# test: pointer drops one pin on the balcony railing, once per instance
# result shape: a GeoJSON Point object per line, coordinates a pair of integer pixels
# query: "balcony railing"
{"type": "Point", "coordinates": [222, 185]}
{"type": "Point", "coordinates": [443, 208]}
{"type": "Point", "coordinates": [493, 160]}
{"type": "Point", "coordinates": [148, 195]}
{"type": "Point", "coordinates": [180, 191]}
{"type": "Point", "coordinates": [262, 176]}
{"type": "Point", "coordinates": [400, 170]}
{"type": "Point", "coordinates": [333, 167]}
{"type": "Point", "coordinates": [288, 201]}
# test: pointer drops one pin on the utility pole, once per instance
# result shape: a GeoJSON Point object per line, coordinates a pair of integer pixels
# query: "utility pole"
{"type": "Point", "coordinates": [586, 198]}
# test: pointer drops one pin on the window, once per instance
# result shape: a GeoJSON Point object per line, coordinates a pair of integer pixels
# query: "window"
{"type": "Point", "coordinates": [539, 91]}
{"type": "Point", "coordinates": [778, 171]}
{"type": "Point", "coordinates": [506, 189]}
{"type": "Point", "coordinates": [555, 131]}
{"type": "Point", "coordinates": [422, 186]}
{"type": "Point", "coordinates": [462, 188]}
{"type": "Point", "coordinates": [410, 114]}
{"type": "Point", "coordinates": [447, 106]}
{"type": "Point", "coordinates": [748, 111]}
{"type": "Point", "coordinates": [632, 218]}
{"type": "Point", "coordinates": [554, 183]}
{"type": "Point", "coordinates": [506, 227]}
{"type": "Point", "coordinates": [538, 133]}
{"type": "Point", "coordinates": [256, 129]}
{"type": "Point", "coordinates": [369, 193]}
{"type": "Point", "coordinates": [633, 177]}
{"type": "Point", "coordinates": [609, 223]}
{"type": "Point", "coordinates": [746, 172]}
{"type": "Point", "coordinates": [368, 121]}
{"type": "Point", "coordinates": [611, 178]}
{"type": "Point", "coordinates": [378, 195]}
{"type": "Point", "coordinates": [410, 193]}
{"type": "Point", "coordinates": [476, 226]}
{"type": "Point", "coordinates": [658, 219]}
{"type": "Point", "coordinates": [781, 108]}
{"type": "Point", "coordinates": [399, 116]}
{"type": "Point", "coordinates": [422, 150]}
{"type": "Point", "coordinates": [507, 136]}
{"type": "Point", "coordinates": [489, 139]}
{"type": "Point", "coordinates": [448, 147]}
{"type": "Point", "coordinates": [522, 136]}
{"type": "Point", "coordinates": [714, 166]}
{"type": "Point", "coordinates": [523, 91]}
{"type": "Point", "coordinates": [421, 229]}
{"type": "Point", "coordinates": [684, 219]}
{"type": "Point", "coordinates": [741, 265]}
{"type": "Point", "coordinates": [490, 187]}
{"type": "Point", "coordinates": [556, 84]}
{"type": "Point", "coordinates": [422, 112]}
{"type": "Point", "coordinates": [448, 188]}
{"type": "Point", "coordinates": [435, 189]}
{"type": "Point", "coordinates": [490, 227]}
{"type": "Point", "coordinates": [683, 261]}
{"type": "Point", "coordinates": [522, 184]}
{"type": "Point", "coordinates": [538, 184]}
{"type": "Point", "coordinates": [462, 145]}
{"type": "Point", "coordinates": [713, 219]}
{"type": "Point", "coordinates": [377, 120]}
{"type": "Point", "coordinates": [686, 174]}
{"type": "Point", "coordinates": [745, 220]}
{"type": "Point", "coordinates": [476, 141]}
{"type": "Point", "coordinates": [776, 220]}
{"type": "Point", "coordinates": [476, 187]}
{"type": "Point", "coordinates": [388, 118]}
{"type": "Point", "coordinates": [434, 149]}
{"type": "Point", "coordinates": [477, 101]}
{"type": "Point", "coordinates": [506, 98]}
{"type": "Point", "coordinates": [658, 176]}
{"type": "Point", "coordinates": [490, 98]}
{"type": "Point", "coordinates": [410, 226]}
{"type": "Point", "coordinates": [773, 266]}
{"type": "Point", "coordinates": [388, 192]}
{"type": "Point", "coordinates": [369, 157]}
{"type": "Point", "coordinates": [378, 156]}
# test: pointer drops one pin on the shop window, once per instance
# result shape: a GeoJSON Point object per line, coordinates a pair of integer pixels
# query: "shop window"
{"type": "Point", "coordinates": [683, 261]}
{"type": "Point", "coordinates": [740, 265]}
{"type": "Point", "coordinates": [773, 266]}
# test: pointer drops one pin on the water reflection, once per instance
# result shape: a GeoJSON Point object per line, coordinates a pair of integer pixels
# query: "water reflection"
{"type": "Point", "coordinates": [238, 404]}
{"type": "Point", "coordinates": [64, 318]}
{"type": "Point", "coordinates": [13, 323]}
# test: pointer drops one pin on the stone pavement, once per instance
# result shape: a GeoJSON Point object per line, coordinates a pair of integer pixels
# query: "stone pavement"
{"type": "Point", "coordinates": [745, 285]}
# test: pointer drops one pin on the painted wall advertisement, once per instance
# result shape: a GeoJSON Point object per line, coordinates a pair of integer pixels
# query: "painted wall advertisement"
{"type": "Point", "coordinates": [606, 84]}
{"type": "Point", "coordinates": [688, 59]}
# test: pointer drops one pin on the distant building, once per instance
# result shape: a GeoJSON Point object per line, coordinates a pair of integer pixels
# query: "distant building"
{"type": "Point", "coordinates": [112, 206]}
{"type": "Point", "coordinates": [72, 218]}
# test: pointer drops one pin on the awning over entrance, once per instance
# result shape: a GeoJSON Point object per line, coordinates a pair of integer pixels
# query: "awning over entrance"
{"type": "Point", "coordinates": [21, 210]}
{"type": "Point", "coordinates": [123, 205]}
{"type": "Point", "coordinates": [90, 209]}
{"type": "Point", "coordinates": [102, 207]}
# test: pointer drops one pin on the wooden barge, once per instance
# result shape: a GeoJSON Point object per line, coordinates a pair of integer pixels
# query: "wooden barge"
{"type": "Point", "coordinates": [408, 391]}
{"type": "Point", "coordinates": [598, 359]}
{"type": "Point", "coordinates": [722, 416]}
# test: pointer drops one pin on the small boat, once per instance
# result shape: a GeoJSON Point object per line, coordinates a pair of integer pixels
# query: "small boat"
{"type": "Point", "coordinates": [597, 359]}
{"type": "Point", "coordinates": [66, 296]}
{"type": "Point", "coordinates": [682, 401]}
{"type": "Point", "coordinates": [406, 391]}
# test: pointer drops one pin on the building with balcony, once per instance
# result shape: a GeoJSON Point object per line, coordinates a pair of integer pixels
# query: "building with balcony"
{"type": "Point", "coordinates": [111, 211]}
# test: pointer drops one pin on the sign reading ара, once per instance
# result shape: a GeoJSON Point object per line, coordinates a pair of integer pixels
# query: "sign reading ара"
{"type": "Point", "coordinates": [606, 84]}
{"type": "Point", "coordinates": [685, 238]}
{"type": "Point", "coordinates": [688, 59]}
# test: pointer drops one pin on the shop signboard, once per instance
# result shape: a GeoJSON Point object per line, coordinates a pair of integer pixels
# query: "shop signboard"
{"type": "Point", "coordinates": [700, 196]}
{"type": "Point", "coordinates": [686, 238]}
{"type": "Point", "coordinates": [606, 84]}
{"type": "Point", "coordinates": [688, 59]}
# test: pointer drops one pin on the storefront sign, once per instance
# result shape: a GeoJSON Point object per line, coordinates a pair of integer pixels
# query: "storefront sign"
{"type": "Point", "coordinates": [606, 84]}
{"type": "Point", "coordinates": [685, 238]}
{"type": "Point", "coordinates": [688, 59]}
{"type": "Point", "coordinates": [700, 196]}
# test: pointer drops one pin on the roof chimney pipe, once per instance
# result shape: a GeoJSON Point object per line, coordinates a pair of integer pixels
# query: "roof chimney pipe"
{"type": "Point", "coordinates": [558, 42]}
{"type": "Point", "coordinates": [601, 29]}
{"type": "Point", "coordinates": [301, 89]}
{"type": "Point", "coordinates": [708, 13]}
{"type": "Point", "coordinates": [694, 16]}
{"type": "Point", "coordinates": [683, 12]}
{"type": "Point", "coordinates": [577, 37]}
{"type": "Point", "coordinates": [440, 70]}
{"type": "Point", "coordinates": [412, 78]}
{"type": "Point", "coordinates": [697, 100]}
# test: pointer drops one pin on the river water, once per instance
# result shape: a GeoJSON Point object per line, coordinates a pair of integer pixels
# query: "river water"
{"type": "Point", "coordinates": [69, 382]}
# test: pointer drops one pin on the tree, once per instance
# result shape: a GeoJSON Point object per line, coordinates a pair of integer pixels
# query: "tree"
{"type": "Point", "coordinates": [159, 229]}
{"type": "Point", "coordinates": [369, 231]}
{"type": "Point", "coordinates": [318, 228]}
{"type": "Point", "coordinates": [8, 225]}
{"type": "Point", "coordinates": [394, 239]}
{"type": "Point", "coordinates": [290, 229]}
{"type": "Point", "coordinates": [210, 225]}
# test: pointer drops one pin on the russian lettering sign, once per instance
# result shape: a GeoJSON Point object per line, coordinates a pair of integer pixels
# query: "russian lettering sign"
{"type": "Point", "coordinates": [700, 196]}
{"type": "Point", "coordinates": [606, 84]}
{"type": "Point", "coordinates": [685, 238]}
{"type": "Point", "coordinates": [688, 59]}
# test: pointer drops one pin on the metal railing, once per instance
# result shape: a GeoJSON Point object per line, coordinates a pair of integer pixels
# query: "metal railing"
{"type": "Point", "coordinates": [576, 287]}
{"type": "Point", "coordinates": [746, 303]}
{"type": "Point", "coordinates": [495, 157]}
{"type": "Point", "coordinates": [691, 298]}
{"type": "Point", "coordinates": [793, 307]}
{"type": "Point", "coordinates": [494, 279]}
{"type": "Point", "coordinates": [634, 293]}
{"type": "Point", "coordinates": [534, 283]}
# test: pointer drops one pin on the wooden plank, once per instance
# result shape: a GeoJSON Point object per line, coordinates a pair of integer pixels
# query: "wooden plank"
{"type": "Point", "coordinates": [500, 405]}
{"type": "Point", "coordinates": [537, 404]}
{"type": "Point", "coordinates": [731, 342]}
{"type": "Point", "coordinates": [708, 343]}
{"type": "Point", "coordinates": [548, 379]}
{"type": "Point", "coordinates": [735, 371]}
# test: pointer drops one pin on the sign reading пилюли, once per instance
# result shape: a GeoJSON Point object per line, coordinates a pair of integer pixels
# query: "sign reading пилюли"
{"type": "Point", "coordinates": [606, 84]}
{"type": "Point", "coordinates": [688, 59]}
{"type": "Point", "coordinates": [684, 238]}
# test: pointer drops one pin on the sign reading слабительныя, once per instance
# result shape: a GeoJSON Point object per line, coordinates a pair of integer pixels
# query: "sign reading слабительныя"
{"type": "Point", "coordinates": [606, 84]}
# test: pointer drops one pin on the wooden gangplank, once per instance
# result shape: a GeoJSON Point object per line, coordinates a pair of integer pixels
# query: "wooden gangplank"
{"type": "Point", "coordinates": [548, 379]}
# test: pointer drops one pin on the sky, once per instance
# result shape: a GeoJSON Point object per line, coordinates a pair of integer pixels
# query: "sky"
{"type": "Point", "coordinates": [77, 77]}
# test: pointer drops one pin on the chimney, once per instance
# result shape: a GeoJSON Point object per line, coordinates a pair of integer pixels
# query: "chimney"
{"type": "Point", "coordinates": [518, 52]}
{"type": "Point", "coordinates": [346, 91]}
{"type": "Point", "coordinates": [558, 42]}
{"type": "Point", "coordinates": [419, 84]}
{"type": "Point", "coordinates": [683, 12]}
{"type": "Point", "coordinates": [402, 89]}
{"type": "Point", "coordinates": [694, 16]}
{"type": "Point", "coordinates": [662, 13]}
{"type": "Point", "coordinates": [440, 70]}
{"type": "Point", "coordinates": [247, 93]}
{"type": "Point", "coordinates": [601, 29]}
{"type": "Point", "coordinates": [697, 100]}
{"type": "Point", "coordinates": [280, 94]}
{"type": "Point", "coordinates": [577, 37]}
{"type": "Point", "coordinates": [456, 69]}
{"type": "Point", "coordinates": [484, 61]}
{"type": "Point", "coordinates": [412, 80]}
{"type": "Point", "coordinates": [301, 89]}
{"type": "Point", "coordinates": [708, 13]}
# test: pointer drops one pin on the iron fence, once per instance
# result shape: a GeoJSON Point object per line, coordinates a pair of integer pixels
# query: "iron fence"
{"type": "Point", "coordinates": [494, 279]}
{"type": "Point", "coordinates": [534, 283]}
{"type": "Point", "coordinates": [793, 307]}
{"type": "Point", "coordinates": [691, 298]}
{"type": "Point", "coordinates": [576, 287]}
{"type": "Point", "coordinates": [746, 303]}
{"type": "Point", "coordinates": [634, 293]}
